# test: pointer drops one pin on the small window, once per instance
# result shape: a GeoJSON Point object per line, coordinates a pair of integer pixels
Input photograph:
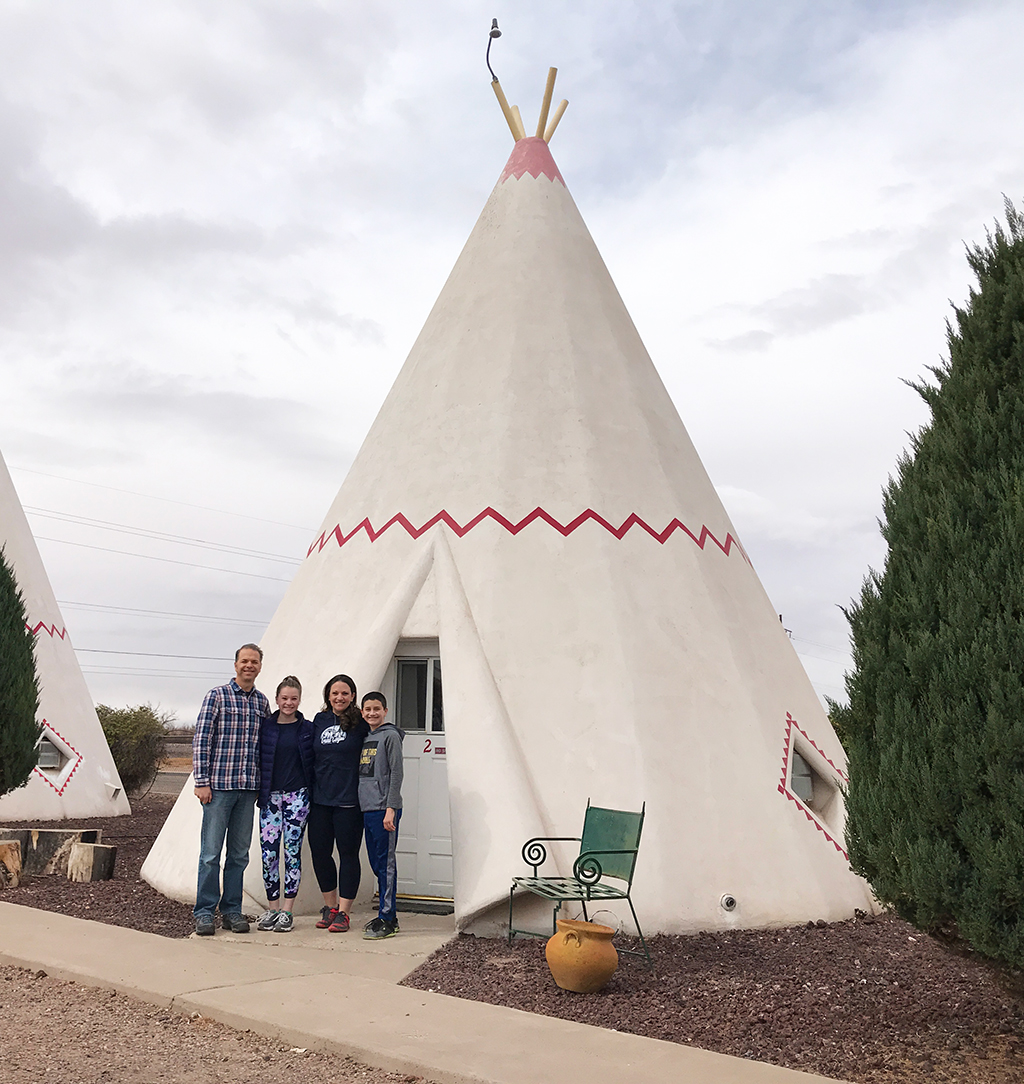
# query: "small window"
{"type": "Point", "coordinates": [419, 704]}
{"type": "Point", "coordinates": [49, 756]}
{"type": "Point", "coordinates": [813, 789]}
{"type": "Point", "coordinates": [801, 780]}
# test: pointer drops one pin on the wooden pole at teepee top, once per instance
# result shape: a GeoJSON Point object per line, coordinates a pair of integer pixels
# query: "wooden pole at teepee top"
{"type": "Point", "coordinates": [546, 104]}
{"type": "Point", "coordinates": [520, 128]}
{"type": "Point", "coordinates": [503, 102]}
{"type": "Point", "coordinates": [562, 106]}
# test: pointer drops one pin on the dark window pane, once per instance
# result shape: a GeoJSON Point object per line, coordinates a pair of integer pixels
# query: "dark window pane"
{"type": "Point", "coordinates": [411, 709]}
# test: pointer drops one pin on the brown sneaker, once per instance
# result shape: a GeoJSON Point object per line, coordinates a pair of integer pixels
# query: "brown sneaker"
{"type": "Point", "coordinates": [340, 923]}
{"type": "Point", "coordinates": [327, 916]}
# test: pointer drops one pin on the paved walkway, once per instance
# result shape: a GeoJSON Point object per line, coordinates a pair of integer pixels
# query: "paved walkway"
{"type": "Point", "coordinates": [337, 992]}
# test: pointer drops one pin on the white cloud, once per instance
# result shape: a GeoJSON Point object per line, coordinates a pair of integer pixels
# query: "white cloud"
{"type": "Point", "coordinates": [226, 225]}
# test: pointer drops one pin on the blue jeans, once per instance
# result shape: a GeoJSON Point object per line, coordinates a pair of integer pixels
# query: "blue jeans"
{"type": "Point", "coordinates": [228, 814]}
{"type": "Point", "coordinates": [380, 850]}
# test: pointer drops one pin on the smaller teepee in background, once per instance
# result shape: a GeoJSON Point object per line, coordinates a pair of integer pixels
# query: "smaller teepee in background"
{"type": "Point", "coordinates": [76, 775]}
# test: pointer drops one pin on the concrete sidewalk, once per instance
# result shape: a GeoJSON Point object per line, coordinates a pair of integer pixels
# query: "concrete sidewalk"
{"type": "Point", "coordinates": [340, 995]}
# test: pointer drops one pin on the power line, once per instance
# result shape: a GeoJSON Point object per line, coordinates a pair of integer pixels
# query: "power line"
{"type": "Point", "coordinates": [817, 643]}
{"type": "Point", "coordinates": [151, 654]}
{"type": "Point", "coordinates": [166, 500]}
{"type": "Point", "coordinates": [150, 671]}
{"type": "Point", "coordinates": [165, 560]}
{"type": "Point", "coordinates": [161, 536]}
{"type": "Point", "coordinates": [128, 610]}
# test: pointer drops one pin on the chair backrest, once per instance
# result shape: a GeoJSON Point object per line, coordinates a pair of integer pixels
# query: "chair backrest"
{"type": "Point", "coordinates": [613, 830]}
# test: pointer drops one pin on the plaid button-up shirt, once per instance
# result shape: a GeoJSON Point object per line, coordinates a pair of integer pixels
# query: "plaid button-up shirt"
{"type": "Point", "coordinates": [225, 750]}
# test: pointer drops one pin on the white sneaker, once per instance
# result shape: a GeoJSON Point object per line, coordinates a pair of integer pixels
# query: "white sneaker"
{"type": "Point", "coordinates": [268, 920]}
{"type": "Point", "coordinates": [284, 922]}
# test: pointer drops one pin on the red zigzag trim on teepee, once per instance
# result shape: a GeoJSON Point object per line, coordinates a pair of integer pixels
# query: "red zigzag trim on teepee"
{"type": "Point", "coordinates": [565, 530]}
{"type": "Point", "coordinates": [787, 749]}
{"type": "Point", "coordinates": [50, 630]}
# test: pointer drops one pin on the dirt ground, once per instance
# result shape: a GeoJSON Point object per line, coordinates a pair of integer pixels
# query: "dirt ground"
{"type": "Point", "coordinates": [63, 1031]}
{"type": "Point", "coordinates": [868, 1000]}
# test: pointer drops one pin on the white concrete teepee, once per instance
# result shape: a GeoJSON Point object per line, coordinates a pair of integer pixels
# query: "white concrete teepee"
{"type": "Point", "coordinates": [82, 781]}
{"type": "Point", "coordinates": [528, 495]}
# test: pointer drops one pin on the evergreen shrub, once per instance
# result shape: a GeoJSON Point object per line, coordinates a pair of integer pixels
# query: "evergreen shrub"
{"type": "Point", "coordinates": [934, 729]}
{"type": "Point", "coordinates": [19, 690]}
{"type": "Point", "coordinates": [137, 738]}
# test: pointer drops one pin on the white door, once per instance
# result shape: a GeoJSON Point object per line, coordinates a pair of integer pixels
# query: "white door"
{"type": "Point", "coordinates": [425, 836]}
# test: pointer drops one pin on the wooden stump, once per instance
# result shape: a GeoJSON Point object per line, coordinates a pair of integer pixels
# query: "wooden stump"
{"type": "Point", "coordinates": [46, 850]}
{"type": "Point", "coordinates": [10, 863]}
{"type": "Point", "coordinates": [91, 862]}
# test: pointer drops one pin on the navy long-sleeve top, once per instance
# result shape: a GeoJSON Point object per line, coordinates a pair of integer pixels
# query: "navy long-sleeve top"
{"type": "Point", "coordinates": [270, 730]}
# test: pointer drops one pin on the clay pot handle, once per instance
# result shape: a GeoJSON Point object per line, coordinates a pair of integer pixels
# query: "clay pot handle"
{"type": "Point", "coordinates": [575, 936]}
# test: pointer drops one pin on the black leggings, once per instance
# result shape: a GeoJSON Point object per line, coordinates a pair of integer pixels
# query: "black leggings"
{"type": "Point", "coordinates": [329, 825]}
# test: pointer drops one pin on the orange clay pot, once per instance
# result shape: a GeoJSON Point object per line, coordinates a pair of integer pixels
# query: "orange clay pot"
{"type": "Point", "coordinates": [581, 956]}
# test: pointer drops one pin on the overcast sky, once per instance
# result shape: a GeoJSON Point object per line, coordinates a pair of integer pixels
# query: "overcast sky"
{"type": "Point", "coordinates": [223, 225]}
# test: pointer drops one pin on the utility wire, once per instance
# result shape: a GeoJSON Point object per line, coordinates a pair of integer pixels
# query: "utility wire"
{"type": "Point", "coordinates": [165, 560]}
{"type": "Point", "coordinates": [162, 536]}
{"type": "Point", "coordinates": [128, 610]}
{"type": "Point", "coordinates": [151, 654]}
{"type": "Point", "coordinates": [166, 500]}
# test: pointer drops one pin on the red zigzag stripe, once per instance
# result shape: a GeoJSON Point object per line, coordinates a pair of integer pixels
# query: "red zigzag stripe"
{"type": "Point", "coordinates": [50, 630]}
{"type": "Point", "coordinates": [565, 530]}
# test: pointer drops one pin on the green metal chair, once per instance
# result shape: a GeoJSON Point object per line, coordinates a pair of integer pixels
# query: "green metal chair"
{"type": "Point", "coordinates": [603, 870]}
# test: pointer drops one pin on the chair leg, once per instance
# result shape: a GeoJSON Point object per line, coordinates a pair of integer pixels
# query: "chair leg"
{"type": "Point", "coordinates": [640, 932]}
{"type": "Point", "coordinates": [511, 893]}
{"type": "Point", "coordinates": [554, 918]}
{"type": "Point", "coordinates": [586, 917]}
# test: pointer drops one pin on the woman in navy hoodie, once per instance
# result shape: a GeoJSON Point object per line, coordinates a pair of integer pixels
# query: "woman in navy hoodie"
{"type": "Point", "coordinates": [286, 778]}
{"type": "Point", "coordinates": [335, 820]}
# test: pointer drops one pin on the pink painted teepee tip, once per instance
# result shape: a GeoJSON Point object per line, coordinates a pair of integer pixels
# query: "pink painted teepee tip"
{"type": "Point", "coordinates": [531, 155]}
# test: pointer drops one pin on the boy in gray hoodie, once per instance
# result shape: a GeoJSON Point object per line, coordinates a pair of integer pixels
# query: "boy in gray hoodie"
{"type": "Point", "coordinates": [380, 799]}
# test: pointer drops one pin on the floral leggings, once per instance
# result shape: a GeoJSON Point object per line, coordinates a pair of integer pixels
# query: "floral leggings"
{"type": "Point", "coordinates": [283, 818]}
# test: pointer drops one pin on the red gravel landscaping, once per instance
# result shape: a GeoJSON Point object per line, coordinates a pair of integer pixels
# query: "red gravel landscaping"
{"type": "Point", "coordinates": [867, 1000]}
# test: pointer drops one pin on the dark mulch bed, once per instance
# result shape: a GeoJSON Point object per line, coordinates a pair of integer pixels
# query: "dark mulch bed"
{"type": "Point", "coordinates": [124, 900]}
{"type": "Point", "coordinates": [867, 1000]}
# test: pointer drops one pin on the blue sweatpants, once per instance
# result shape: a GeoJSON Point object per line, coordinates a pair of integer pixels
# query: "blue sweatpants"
{"type": "Point", "coordinates": [380, 850]}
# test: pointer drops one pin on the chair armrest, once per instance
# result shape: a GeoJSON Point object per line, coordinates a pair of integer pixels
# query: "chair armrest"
{"type": "Point", "coordinates": [535, 853]}
{"type": "Point", "coordinates": [587, 869]}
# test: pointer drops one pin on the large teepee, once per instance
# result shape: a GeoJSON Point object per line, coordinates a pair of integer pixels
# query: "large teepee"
{"type": "Point", "coordinates": [78, 778]}
{"type": "Point", "coordinates": [529, 496]}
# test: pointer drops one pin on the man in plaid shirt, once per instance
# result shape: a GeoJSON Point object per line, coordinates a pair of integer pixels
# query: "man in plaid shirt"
{"type": "Point", "coordinates": [225, 763]}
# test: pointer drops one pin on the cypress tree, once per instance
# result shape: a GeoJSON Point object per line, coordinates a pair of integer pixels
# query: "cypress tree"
{"type": "Point", "coordinates": [934, 729]}
{"type": "Point", "coordinates": [19, 691]}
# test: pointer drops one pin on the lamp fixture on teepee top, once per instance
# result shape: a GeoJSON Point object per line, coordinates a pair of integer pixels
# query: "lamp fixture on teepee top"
{"type": "Point", "coordinates": [545, 130]}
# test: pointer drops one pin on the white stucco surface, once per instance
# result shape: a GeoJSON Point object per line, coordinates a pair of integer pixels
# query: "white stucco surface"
{"type": "Point", "coordinates": [577, 664]}
{"type": "Point", "coordinates": [89, 785]}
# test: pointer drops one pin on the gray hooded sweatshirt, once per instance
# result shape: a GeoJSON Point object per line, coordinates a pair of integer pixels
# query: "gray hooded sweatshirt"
{"type": "Point", "coordinates": [381, 769]}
